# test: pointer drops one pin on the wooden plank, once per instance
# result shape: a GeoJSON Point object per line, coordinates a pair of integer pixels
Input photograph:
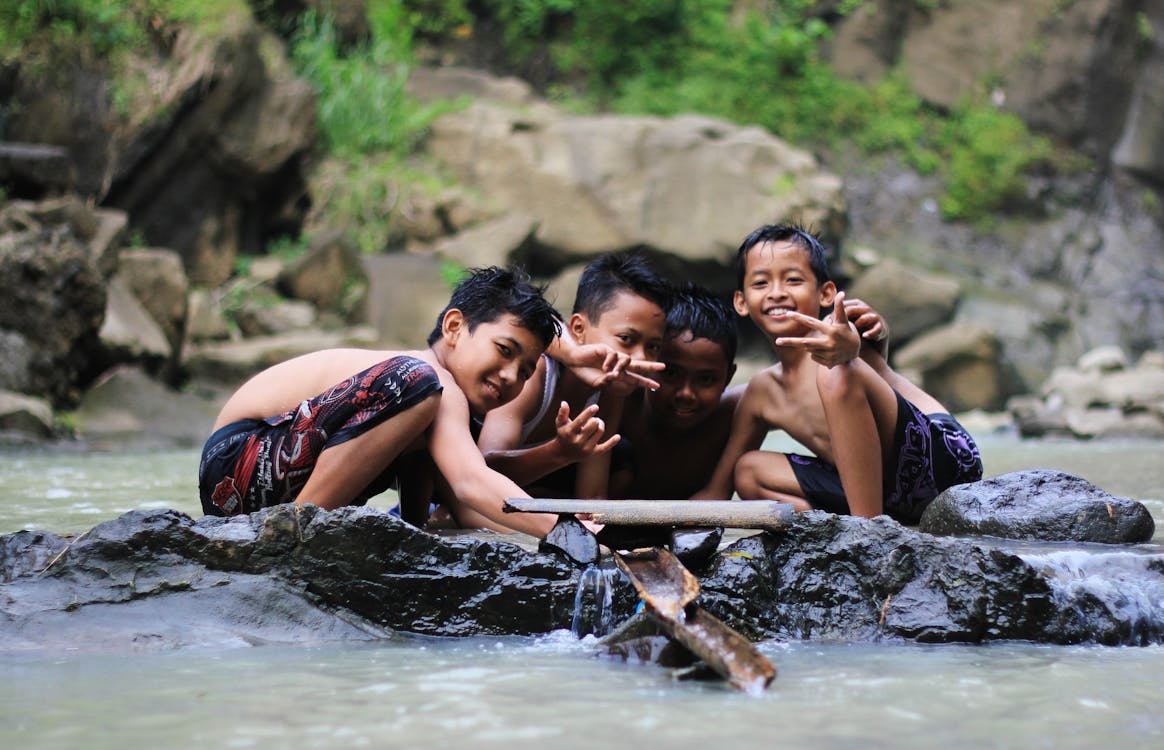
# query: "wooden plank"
{"type": "Point", "coordinates": [736, 514]}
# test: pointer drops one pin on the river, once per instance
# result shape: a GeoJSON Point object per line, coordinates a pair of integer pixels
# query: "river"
{"type": "Point", "coordinates": [550, 690]}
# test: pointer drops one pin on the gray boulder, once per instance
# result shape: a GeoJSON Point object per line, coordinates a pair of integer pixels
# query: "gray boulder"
{"type": "Point", "coordinates": [1040, 504]}
{"type": "Point", "coordinates": [160, 580]}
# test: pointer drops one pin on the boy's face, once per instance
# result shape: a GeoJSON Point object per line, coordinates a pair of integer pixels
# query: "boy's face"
{"type": "Point", "coordinates": [492, 363]}
{"type": "Point", "coordinates": [631, 324]}
{"type": "Point", "coordinates": [778, 278]}
{"type": "Point", "coordinates": [690, 388]}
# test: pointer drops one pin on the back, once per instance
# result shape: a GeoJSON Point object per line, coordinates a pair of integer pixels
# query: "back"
{"type": "Point", "coordinates": [282, 387]}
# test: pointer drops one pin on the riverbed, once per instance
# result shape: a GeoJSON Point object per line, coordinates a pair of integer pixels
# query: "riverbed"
{"type": "Point", "coordinates": [551, 691]}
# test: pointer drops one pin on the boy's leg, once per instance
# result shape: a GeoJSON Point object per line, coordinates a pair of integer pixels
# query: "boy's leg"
{"type": "Point", "coordinates": [343, 470]}
{"type": "Point", "coordinates": [766, 475]}
{"type": "Point", "coordinates": [861, 410]}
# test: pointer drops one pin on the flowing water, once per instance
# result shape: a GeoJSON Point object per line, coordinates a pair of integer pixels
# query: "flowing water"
{"type": "Point", "coordinates": [550, 691]}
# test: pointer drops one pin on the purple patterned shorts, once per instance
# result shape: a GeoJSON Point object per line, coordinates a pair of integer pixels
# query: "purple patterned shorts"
{"type": "Point", "coordinates": [931, 452]}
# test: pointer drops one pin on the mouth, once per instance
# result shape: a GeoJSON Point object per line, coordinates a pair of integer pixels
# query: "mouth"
{"type": "Point", "coordinates": [493, 390]}
{"type": "Point", "coordinates": [778, 312]}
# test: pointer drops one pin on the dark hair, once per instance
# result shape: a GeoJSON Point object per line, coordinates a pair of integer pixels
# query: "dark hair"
{"type": "Point", "coordinates": [706, 315]}
{"type": "Point", "coordinates": [486, 294]}
{"type": "Point", "coordinates": [610, 274]}
{"type": "Point", "coordinates": [817, 255]}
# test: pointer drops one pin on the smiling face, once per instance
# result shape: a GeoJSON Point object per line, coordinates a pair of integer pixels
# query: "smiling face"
{"type": "Point", "coordinates": [690, 388]}
{"type": "Point", "coordinates": [778, 278]}
{"type": "Point", "coordinates": [631, 324]}
{"type": "Point", "coordinates": [491, 363]}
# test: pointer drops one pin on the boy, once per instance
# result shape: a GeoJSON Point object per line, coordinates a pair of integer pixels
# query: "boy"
{"type": "Point", "coordinates": [621, 303]}
{"type": "Point", "coordinates": [673, 435]}
{"type": "Point", "coordinates": [328, 428]}
{"type": "Point", "coordinates": [881, 444]}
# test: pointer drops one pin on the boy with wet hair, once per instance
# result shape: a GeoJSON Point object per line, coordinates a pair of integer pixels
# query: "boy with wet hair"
{"type": "Point", "coordinates": [673, 435]}
{"type": "Point", "coordinates": [333, 427]}
{"type": "Point", "coordinates": [881, 444]}
{"type": "Point", "coordinates": [620, 305]}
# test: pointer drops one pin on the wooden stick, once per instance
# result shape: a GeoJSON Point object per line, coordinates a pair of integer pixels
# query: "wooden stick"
{"type": "Point", "coordinates": [736, 514]}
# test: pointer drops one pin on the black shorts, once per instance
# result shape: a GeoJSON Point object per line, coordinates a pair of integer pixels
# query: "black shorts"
{"type": "Point", "coordinates": [257, 463]}
{"type": "Point", "coordinates": [931, 452]}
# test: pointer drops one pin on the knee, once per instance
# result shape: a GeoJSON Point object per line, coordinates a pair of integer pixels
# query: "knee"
{"type": "Point", "coordinates": [746, 474]}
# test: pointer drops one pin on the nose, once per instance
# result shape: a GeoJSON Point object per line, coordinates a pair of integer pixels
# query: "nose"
{"type": "Point", "coordinates": [685, 392]}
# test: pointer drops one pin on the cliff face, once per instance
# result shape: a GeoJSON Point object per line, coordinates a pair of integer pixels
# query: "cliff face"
{"type": "Point", "coordinates": [217, 156]}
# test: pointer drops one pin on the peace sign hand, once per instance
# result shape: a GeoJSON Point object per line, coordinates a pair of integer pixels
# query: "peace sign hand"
{"type": "Point", "coordinates": [834, 341]}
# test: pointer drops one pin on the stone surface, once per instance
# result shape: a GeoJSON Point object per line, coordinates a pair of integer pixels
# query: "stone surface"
{"type": "Point", "coordinates": [1042, 505]}
{"type": "Point", "coordinates": [160, 580]}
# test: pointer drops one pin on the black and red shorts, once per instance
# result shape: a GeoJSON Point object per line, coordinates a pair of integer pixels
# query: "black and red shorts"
{"type": "Point", "coordinates": [257, 463]}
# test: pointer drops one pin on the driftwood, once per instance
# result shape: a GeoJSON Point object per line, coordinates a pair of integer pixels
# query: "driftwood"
{"type": "Point", "coordinates": [669, 591]}
{"type": "Point", "coordinates": [735, 514]}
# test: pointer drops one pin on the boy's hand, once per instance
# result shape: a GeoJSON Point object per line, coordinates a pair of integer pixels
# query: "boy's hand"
{"type": "Point", "coordinates": [598, 365]}
{"type": "Point", "coordinates": [869, 322]}
{"type": "Point", "coordinates": [581, 437]}
{"type": "Point", "coordinates": [836, 341]}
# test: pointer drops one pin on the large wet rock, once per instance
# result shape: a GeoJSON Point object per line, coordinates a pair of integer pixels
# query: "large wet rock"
{"type": "Point", "coordinates": [160, 579]}
{"type": "Point", "coordinates": [1039, 504]}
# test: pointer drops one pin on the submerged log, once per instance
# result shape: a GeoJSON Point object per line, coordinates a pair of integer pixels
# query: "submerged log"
{"type": "Point", "coordinates": [669, 591]}
{"type": "Point", "coordinates": [734, 514]}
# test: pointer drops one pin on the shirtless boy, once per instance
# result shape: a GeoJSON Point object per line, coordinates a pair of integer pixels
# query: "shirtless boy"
{"type": "Point", "coordinates": [621, 304]}
{"type": "Point", "coordinates": [881, 444]}
{"type": "Point", "coordinates": [326, 428]}
{"type": "Point", "coordinates": [673, 435]}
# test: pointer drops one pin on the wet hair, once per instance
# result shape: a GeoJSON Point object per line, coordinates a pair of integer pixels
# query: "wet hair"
{"type": "Point", "coordinates": [610, 274]}
{"type": "Point", "coordinates": [486, 294]}
{"type": "Point", "coordinates": [706, 315]}
{"type": "Point", "coordinates": [817, 255]}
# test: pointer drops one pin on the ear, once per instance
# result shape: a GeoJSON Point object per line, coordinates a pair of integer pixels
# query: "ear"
{"type": "Point", "coordinates": [452, 325]}
{"type": "Point", "coordinates": [739, 304]}
{"type": "Point", "coordinates": [828, 292]}
{"type": "Point", "coordinates": [578, 325]}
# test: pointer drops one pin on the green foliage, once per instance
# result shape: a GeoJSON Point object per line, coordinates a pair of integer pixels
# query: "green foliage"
{"type": "Point", "coordinates": [452, 273]}
{"type": "Point", "coordinates": [44, 30]}
{"type": "Point", "coordinates": [989, 154]}
{"type": "Point", "coordinates": [665, 57]}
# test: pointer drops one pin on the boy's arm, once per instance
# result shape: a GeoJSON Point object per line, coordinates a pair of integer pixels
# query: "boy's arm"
{"type": "Point", "coordinates": [475, 487]}
{"type": "Point", "coordinates": [576, 438]}
{"type": "Point", "coordinates": [747, 434]}
{"type": "Point", "coordinates": [593, 479]}
{"type": "Point", "coordinates": [599, 364]}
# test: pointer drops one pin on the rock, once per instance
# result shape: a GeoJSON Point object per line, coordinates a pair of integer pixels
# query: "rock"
{"type": "Point", "coordinates": [52, 303]}
{"type": "Point", "coordinates": [1104, 359]}
{"type": "Point", "coordinates": [126, 407]}
{"type": "Point", "coordinates": [489, 244]}
{"type": "Point", "coordinates": [43, 166]}
{"type": "Point", "coordinates": [699, 184]}
{"type": "Point", "coordinates": [958, 364]}
{"type": "Point", "coordinates": [570, 538]}
{"type": "Point", "coordinates": [129, 332]}
{"type": "Point", "coordinates": [1042, 505]}
{"type": "Point", "coordinates": [206, 321]}
{"type": "Point", "coordinates": [158, 280]}
{"type": "Point", "coordinates": [24, 419]}
{"type": "Point", "coordinates": [329, 276]}
{"type": "Point", "coordinates": [271, 317]}
{"type": "Point", "coordinates": [234, 361]}
{"type": "Point", "coordinates": [910, 300]}
{"type": "Point", "coordinates": [160, 580]}
{"type": "Point", "coordinates": [406, 293]}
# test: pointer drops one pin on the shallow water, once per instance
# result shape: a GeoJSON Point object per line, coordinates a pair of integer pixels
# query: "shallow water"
{"type": "Point", "coordinates": [550, 691]}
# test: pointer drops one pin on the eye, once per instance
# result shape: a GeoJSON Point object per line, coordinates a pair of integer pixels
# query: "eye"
{"type": "Point", "coordinates": [653, 349]}
{"type": "Point", "coordinates": [671, 374]}
{"type": "Point", "coordinates": [505, 350]}
{"type": "Point", "coordinates": [707, 381]}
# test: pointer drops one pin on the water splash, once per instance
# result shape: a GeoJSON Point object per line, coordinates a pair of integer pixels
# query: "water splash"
{"type": "Point", "coordinates": [1129, 585]}
{"type": "Point", "coordinates": [593, 601]}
